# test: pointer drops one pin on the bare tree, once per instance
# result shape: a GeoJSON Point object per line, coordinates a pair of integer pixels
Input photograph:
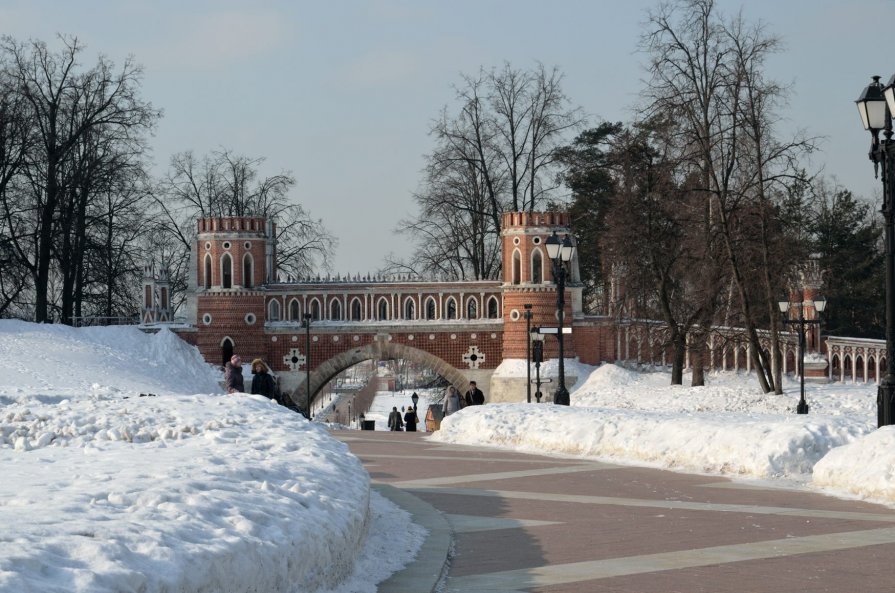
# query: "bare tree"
{"type": "Point", "coordinates": [497, 154]}
{"type": "Point", "coordinates": [706, 73]}
{"type": "Point", "coordinates": [67, 104]}
{"type": "Point", "coordinates": [224, 183]}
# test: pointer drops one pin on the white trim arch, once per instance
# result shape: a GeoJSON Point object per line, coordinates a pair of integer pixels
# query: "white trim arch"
{"type": "Point", "coordinates": [356, 310]}
{"type": "Point", "coordinates": [226, 271]}
{"type": "Point", "coordinates": [409, 309]}
{"type": "Point", "coordinates": [450, 308]}
{"type": "Point", "coordinates": [430, 300]}
{"type": "Point", "coordinates": [493, 307]}
{"type": "Point", "coordinates": [516, 266]}
{"type": "Point", "coordinates": [335, 310]}
{"type": "Point", "coordinates": [314, 308]}
{"type": "Point", "coordinates": [248, 270]}
{"type": "Point", "coordinates": [472, 308]}
{"type": "Point", "coordinates": [273, 310]}
{"type": "Point", "coordinates": [536, 266]}
{"type": "Point", "coordinates": [207, 271]}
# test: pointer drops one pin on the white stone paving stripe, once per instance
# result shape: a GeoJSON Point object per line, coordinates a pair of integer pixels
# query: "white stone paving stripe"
{"type": "Point", "coordinates": [473, 523]}
{"type": "Point", "coordinates": [547, 471]}
{"type": "Point", "coordinates": [660, 504]}
{"type": "Point", "coordinates": [544, 576]}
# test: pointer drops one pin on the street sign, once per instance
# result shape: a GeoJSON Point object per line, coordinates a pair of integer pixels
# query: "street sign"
{"type": "Point", "coordinates": [554, 330]}
{"type": "Point", "coordinates": [535, 381]}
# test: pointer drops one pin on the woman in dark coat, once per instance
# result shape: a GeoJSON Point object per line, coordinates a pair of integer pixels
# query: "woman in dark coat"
{"type": "Point", "coordinates": [262, 382]}
{"type": "Point", "coordinates": [410, 419]}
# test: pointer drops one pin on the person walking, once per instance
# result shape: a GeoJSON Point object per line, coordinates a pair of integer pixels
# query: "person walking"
{"type": "Point", "coordinates": [394, 420]}
{"type": "Point", "coordinates": [233, 375]}
{"type": "Point", "coordinates": [474, 395]}
{"type": "Point", "coordinates": [411, 419]}
{"type": "Point", "coordinates": [451, 402]}
{"type": "Point", "coordinates": [262, 382]}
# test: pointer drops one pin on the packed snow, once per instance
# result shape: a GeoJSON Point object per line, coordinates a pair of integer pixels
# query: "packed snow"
{"type": "Point", "coordinates": [726, 427]}
{"type": "Point", "coordinates": [126, 468]}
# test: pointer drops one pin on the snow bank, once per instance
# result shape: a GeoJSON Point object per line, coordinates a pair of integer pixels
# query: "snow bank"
{"type": "Point", "coordinates": [105, 490]}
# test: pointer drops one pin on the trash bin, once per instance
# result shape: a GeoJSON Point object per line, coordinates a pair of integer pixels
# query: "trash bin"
{"type": "Point", "coordinates": [368, 425]}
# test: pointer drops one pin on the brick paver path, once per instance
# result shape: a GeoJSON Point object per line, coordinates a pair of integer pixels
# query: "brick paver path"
{"type": "Point", "coordinates": [535, 523]}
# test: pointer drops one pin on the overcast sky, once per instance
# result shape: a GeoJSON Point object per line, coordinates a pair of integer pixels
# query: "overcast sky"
{"type": "Point", "coordinates": [342, 93]}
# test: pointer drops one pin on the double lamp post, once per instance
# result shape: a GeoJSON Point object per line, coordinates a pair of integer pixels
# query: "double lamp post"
{"type": "Point", "coordinates": [560, 252]}
{"type": "Point", "coordinates": [876, 106]}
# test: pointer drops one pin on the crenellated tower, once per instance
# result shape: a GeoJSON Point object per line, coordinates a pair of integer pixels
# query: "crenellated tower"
{"type": "Point", "coordinates": [528, 279]}
{"type": "Point", "coordinates": [235, 259]}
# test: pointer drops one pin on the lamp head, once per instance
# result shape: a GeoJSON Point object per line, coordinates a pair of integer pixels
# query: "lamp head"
{"type": "Point", "coordinates": [553, 245]}
{"type": "Point", "coordinates": [872, 106]}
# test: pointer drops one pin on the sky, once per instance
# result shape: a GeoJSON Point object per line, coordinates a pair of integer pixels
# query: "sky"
{"type": "Point", "coordinates": [191, 489]}
{"type": "Point", "coordinates": [343, 93]}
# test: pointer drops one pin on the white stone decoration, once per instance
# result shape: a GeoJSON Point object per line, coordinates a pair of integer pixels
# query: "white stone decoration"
{"type": "Point", "coordinates": [473, 358]}
{"type": "Point", "coordinates": [295, 359]}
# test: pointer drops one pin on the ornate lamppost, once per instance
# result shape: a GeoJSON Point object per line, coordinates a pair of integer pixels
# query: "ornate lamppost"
{"type": "Point", "coordinates": [307, 319]}
{"type": "Point", "coordinates": [876, 105]}
{"type": "Point", "coordinates": [527, 307]}
{"type": "Point", "coordinates": [801, 322]}
{"type": "Point", "coordinates": [537, 356]}
{"type": "Point", "coordinates": [560, 253]}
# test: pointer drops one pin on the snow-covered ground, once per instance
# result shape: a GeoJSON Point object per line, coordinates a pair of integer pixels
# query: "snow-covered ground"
{"type": "Point", "coordinates": [726, 427]}
{"type": "Point", "coordinates": [104, 487]}
{"type": "Point", "coordinates": [189, 489]}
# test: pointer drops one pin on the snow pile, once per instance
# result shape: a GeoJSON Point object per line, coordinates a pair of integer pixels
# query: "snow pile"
{"type": "Point", "coordinates": [107, 490]}
{"type": "Point", "coordinates": [726, 427]}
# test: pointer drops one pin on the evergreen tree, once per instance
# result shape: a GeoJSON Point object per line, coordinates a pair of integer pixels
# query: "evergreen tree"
{"type": "Point", "coordinates": [848, 239]}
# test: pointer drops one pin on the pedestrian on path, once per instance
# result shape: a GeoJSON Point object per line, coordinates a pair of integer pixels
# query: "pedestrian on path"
{"type": "Point", "coordinates": [451, 402]}
{"type": "Point", "coordinates": [474, 395]}
{"type": "Point", "coordinates": [394, 420]}
{"type": "Point", "coordinates": [411, 419]}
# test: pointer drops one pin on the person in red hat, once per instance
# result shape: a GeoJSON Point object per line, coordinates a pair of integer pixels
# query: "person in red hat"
{"type": "Point", "coordinates": [233, 375]}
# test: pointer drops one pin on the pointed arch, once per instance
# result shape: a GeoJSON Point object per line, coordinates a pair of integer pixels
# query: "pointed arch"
{"type": "Point", "coordinates": [207, 279]}
{"type": "Point", "coordinates": [357, 311]}
{"type": "Point", "coordinates": [382, 309]}
{"type": "Point", "coordinates": [537, 266]}
{"type": "Point", "coordinates": [409, 308]}
{"type": "Point", "coordinates": [273, 310]}
{"type": "Point", "coordinates": [517, 266]}
{"type": "Point", "coordinates": [451, 308]}
{"type": "Point", "coordinates": [493, 308]}
{"type": "Point", "coordinates": [335, 310]}
{"type": "Point", "coordinates": [227, 348]}
{"type": "Point", "coordinates": [248, 270]}
{"type": "Point", "coordinates": [226, 271]}
{"type": "Point", "coordinates": [472, 308]}
{"type": "Point", "coordinates": [430, 309]}
{"type": "Point", "coordinates": [294, 310]}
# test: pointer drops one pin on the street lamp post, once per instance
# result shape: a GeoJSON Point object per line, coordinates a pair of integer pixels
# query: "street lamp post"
{"type": "Point", "coordinates": [527, 307]}
{"type": "Point", "coordinates": [307, 318]}
{"type": "Point", "coordinates": [537, 355]}
{"type": "Point", "coordinates": [876, 105]}
{"type": "Point", "coordinates": [801, 322]}
{"type": "Point", "coordinates": [560, 253]}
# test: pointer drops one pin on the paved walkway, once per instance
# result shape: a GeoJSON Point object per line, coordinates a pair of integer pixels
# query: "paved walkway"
{"type": "Point", "coordinates": [507, 522]}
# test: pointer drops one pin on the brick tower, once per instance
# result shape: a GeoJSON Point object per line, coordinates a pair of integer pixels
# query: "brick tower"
{"type": "Point", "coordinates": [528, 279]}
{"type": "Point", "coordinates": [235, 258]}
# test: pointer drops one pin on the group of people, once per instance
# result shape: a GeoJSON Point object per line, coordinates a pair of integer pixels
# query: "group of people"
{"type": "Point", "coordinates": [454, 402]}
{"type": "Point", "coordinates": [410, 419]}
{"type": "Point", "coordinates": [263, 382]}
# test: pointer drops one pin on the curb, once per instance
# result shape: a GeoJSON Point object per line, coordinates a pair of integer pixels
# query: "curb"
{"type": "Point", "coordinates": [425, 572]}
